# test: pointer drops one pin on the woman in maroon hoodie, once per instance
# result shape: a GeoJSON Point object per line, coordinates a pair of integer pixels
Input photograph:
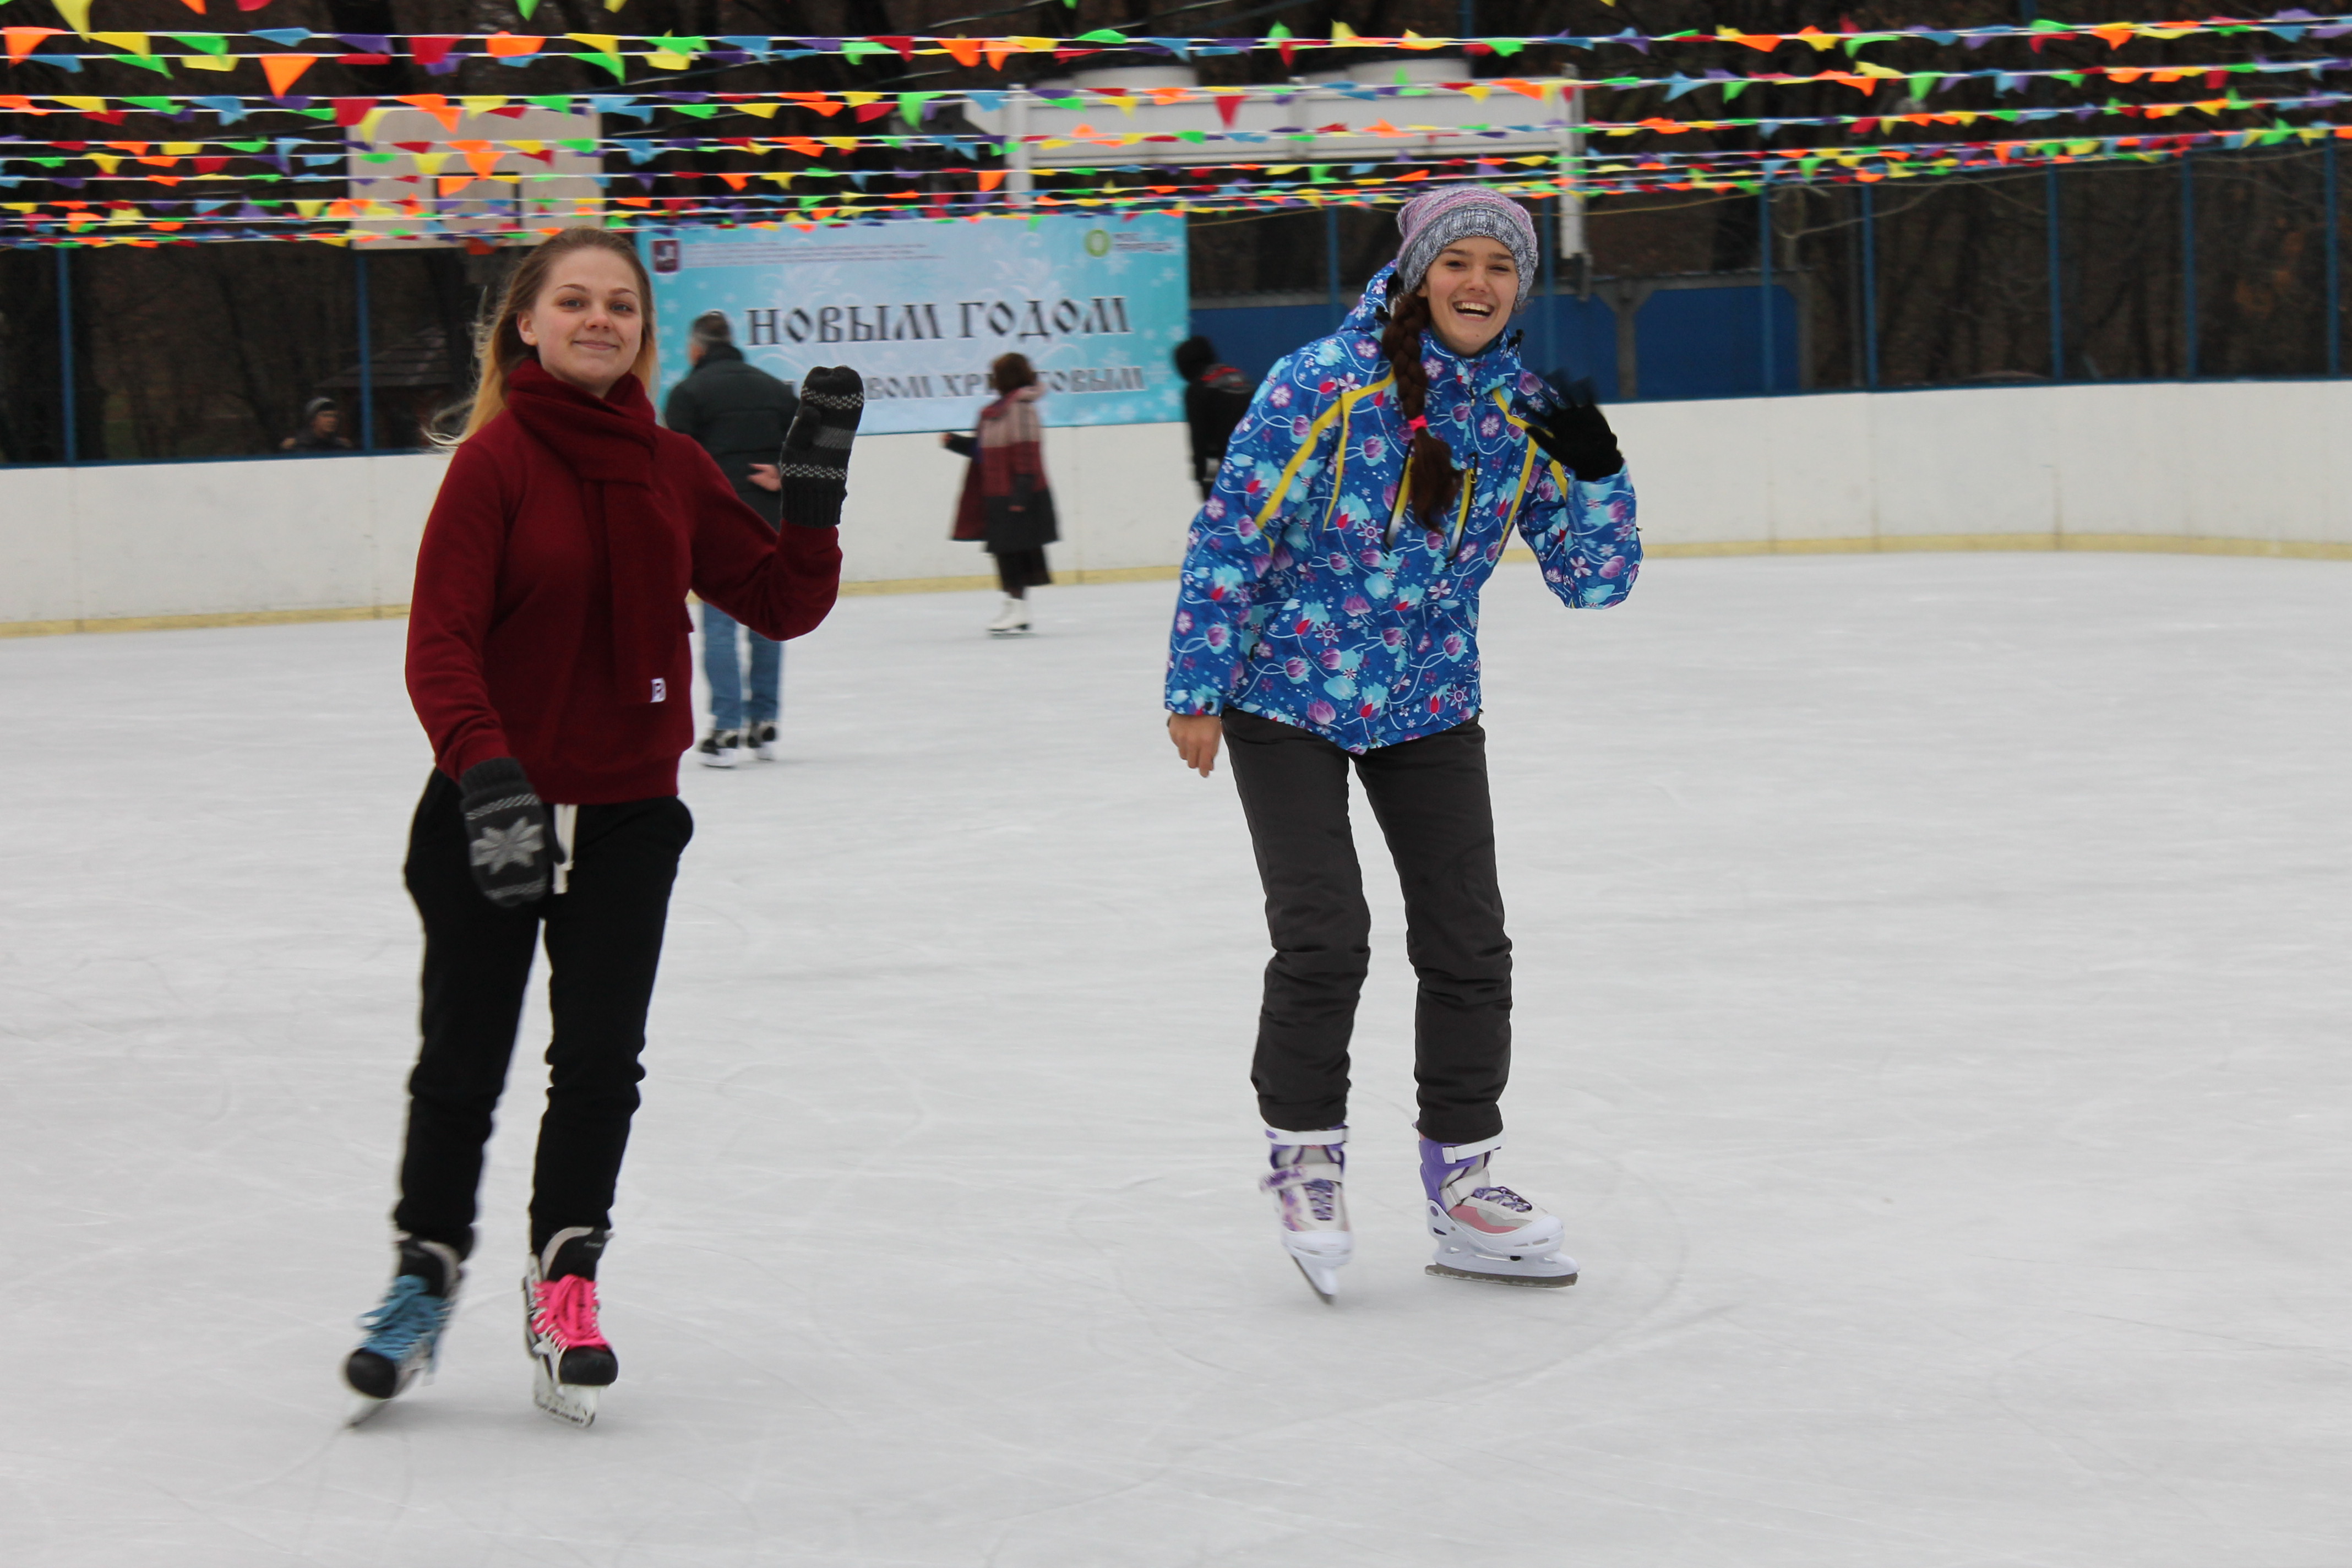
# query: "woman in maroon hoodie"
{"type": "Point", "coordinates": [548, 662]}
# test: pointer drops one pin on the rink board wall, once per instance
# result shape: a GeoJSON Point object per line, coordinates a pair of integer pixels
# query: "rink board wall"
{"type": "Point", "coordinates": [2243, 466]}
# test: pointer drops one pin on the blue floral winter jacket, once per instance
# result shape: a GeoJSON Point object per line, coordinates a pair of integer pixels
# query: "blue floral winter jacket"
{"type": "Point", "coordinates": [1307, 596]}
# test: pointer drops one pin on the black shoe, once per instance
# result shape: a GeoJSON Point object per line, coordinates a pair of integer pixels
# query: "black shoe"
{"type": "Point", "coordinates": [719, 749]}
{"type": "Point", "coordinates": [764, 742]}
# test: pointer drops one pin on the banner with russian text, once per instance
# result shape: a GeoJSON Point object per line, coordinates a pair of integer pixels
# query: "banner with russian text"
{"type": "Point", "coordinates": [919, 310]}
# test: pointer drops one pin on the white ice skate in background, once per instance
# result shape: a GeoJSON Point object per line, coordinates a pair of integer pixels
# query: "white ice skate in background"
{"type": "Point", "coordinates": [1309, 1185]}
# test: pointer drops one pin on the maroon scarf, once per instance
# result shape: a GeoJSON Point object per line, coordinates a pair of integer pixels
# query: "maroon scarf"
{"type": "Point", "coordinates": [608, 443]}
{"type": "Point", "coordinates": [1012, 443]}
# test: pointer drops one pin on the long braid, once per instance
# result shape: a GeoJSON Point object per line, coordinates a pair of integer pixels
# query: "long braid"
{"type": "Point", "coordinates": [1435, 481]}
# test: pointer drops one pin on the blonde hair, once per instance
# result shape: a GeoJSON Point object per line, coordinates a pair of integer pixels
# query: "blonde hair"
{"type": "Point", "coordinates": [501, 347]}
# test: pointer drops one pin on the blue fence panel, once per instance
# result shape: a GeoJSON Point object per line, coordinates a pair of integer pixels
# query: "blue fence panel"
{"type": "Point", "coordinates": [1586, 337]}
{"type": "Point", "coordinates": [1690, 342]}
{"type": "Point", "coordinates": [1250, 338]}
{"type": "Point", "coordinates": [1709, 342]}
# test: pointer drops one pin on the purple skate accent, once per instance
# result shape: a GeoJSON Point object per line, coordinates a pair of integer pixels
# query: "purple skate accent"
{"type": "Point", "coordinates": [1435, 1170]}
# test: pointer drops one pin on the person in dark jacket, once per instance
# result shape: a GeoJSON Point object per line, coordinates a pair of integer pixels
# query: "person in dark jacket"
{"type": "Point", "coordinates": [1006, 503]}
{"type": "Point", "coordinates": [1216, 395]}
{"type": "Point", "coordinates": [323, 429]}
{"type": "Point", "coordinates": [739, 414]}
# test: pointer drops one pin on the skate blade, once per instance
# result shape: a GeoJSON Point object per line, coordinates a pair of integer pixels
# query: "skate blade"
{"type": "Point", "coordinates": [1447, 1272]}
{"type": "Point", "coordinates": [357, 1408]}
{"type": "Point", "coordinates": [572, 1403]}
{"type": "Point", "coordinates": [1324, 1282]}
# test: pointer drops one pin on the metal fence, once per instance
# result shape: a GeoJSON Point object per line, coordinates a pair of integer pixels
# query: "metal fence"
{"type": "Point", "coordinates": [2221, 265]}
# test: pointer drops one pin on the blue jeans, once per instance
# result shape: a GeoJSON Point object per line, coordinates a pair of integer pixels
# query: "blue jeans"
{"type": "Point", "coordinates": [721, 663]}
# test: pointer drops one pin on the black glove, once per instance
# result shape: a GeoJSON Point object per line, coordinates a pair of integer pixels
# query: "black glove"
{"type": "Point", "coordinates": [815, 463]}
{"type": "Point", "coordinates": [508, 841]}
{"type": "Point", "coordinates": [1571, 428]}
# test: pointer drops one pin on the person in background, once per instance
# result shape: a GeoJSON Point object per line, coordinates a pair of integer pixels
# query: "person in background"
{"type": "Point", "coordinates": [1006, 503]}
{"type": "Point", "coordinates": [323, 429]}
{"type": "Point", "coordinates": [1216, 395]}
{"type": "Point", "coordinates": [738, 413]}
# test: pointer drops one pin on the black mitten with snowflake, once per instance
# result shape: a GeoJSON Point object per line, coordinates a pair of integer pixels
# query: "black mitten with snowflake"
{"type": "Point", "coordinates": [508, 844]}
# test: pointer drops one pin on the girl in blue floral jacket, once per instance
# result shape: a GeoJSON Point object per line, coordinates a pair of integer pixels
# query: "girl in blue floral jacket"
{"type": "Point", "coordinates": [1327, 618]}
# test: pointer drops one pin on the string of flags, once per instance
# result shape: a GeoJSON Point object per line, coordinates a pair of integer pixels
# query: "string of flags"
{"type": "Point", "coordinates": [814, 178]}
{"type": "Point", "coordinates": [432, 50]}
{"type": "Point", "coordinates": [209, 158]}
{"type": "Point", "coordinates": [284, 67]}
{"type": "Point", "coordinates": [104, 222]}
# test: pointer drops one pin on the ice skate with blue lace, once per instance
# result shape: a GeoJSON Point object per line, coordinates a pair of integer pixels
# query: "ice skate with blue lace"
{"type": "Point", "coordinates": [1310, 1188]}
{"type": "Point", "coordinates": [404, 1333]}
{"type": "Point", "coordinates": [1483, 1229]}
{"type": "Point", "coordinates": [571, 1364]}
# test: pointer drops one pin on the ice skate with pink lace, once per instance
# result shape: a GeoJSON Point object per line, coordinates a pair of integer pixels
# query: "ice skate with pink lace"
{"type": "Point", "coordinates": [571, 1364]}
{"type": "Point", "coordinates": [1483, 1229]}
{"type": "Point", "coordinates": [1310, 1188]}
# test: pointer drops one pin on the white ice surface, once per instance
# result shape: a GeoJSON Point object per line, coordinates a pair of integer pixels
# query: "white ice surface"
{"type": "Point", "coordinates": [1932, 1024]}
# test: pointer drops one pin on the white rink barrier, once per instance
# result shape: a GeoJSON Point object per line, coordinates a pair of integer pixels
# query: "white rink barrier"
{"type": "Point", "coordinates": [2237, 467]}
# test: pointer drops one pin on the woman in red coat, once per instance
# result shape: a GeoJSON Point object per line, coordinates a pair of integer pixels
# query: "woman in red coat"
{"type": "Point", "coordinates": [1006, 503]}
{"type": "Point", "coordinates": [547, 661]}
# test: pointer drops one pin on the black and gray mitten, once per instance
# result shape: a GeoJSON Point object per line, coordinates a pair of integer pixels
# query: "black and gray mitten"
{"type": "Point", "coordinates": [508, 841]}
{"type": "Point", "coordinates": [1572, 431]}
{"type": "Point", "coordinates": [815, 463]}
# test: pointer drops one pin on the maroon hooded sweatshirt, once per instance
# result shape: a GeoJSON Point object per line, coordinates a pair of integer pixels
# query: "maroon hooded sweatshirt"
{"type": "Point", "coordinates": [550, 581]}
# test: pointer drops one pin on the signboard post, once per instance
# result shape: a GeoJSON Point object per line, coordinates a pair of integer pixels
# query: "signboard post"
{"type": "Point", "coordinates": [921, 308]}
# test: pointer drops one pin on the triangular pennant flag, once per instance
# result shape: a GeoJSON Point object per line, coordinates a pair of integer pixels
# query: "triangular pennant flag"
{"type": "Point", "coordinates": [435, 105]}
{"type": "Point", "coordinates": [23, 41]}
{"type": "Point", "coordinates": [283, 69]}
{"type": "Point", "coordinates": [76, 13]}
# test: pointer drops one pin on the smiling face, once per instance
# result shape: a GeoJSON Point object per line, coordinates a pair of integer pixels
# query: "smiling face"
{"type": "Point", "coordinates": [1471, 288]}
{"type": "Point", "coordinates": [588, 321]}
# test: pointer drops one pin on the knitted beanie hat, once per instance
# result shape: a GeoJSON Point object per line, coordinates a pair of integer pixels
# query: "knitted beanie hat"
{"type": "Point", "coordinates": [1432, 222]}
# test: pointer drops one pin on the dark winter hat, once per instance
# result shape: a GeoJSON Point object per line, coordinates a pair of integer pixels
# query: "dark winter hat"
{"type": "Point", "coordinates": [1193, 355]}
{"type": "Point", "coordinates": [1429, 223]}
{"type": "Point", "coordinates": [318, 405]}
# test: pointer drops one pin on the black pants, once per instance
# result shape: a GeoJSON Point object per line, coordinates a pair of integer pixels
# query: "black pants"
{"type": "Point", "coordinates": [603, 943]}
{"type": "Point", "coordinates": [1018, 571]}
{"type": "Point", "coordinates": [1430, 798]}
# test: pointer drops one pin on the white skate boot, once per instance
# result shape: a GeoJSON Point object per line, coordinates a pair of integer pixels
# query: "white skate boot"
{"type": "Point", "coordinates": [1309, 1185]}
{"type": "Point", "coordinates": [1483, 1229]}
{"type": "Point", "coordinates": [1012, 620]}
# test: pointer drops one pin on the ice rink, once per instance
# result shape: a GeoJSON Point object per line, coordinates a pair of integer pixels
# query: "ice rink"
{"type": "Point", "coordinates": [1932, 1026]}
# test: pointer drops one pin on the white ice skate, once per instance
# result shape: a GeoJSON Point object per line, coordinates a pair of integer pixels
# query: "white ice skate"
{"type": "Point", "coordinates": [1483, 1229]}
{"type": "Point", "coordinates": [571, 1363]}
{"type": "Point", "coordinates": [1012, 620]}
{"type": "Point", "coordinates": [1309, 1185]}
{"type": "Point", "coordinates": [404, 1333]}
